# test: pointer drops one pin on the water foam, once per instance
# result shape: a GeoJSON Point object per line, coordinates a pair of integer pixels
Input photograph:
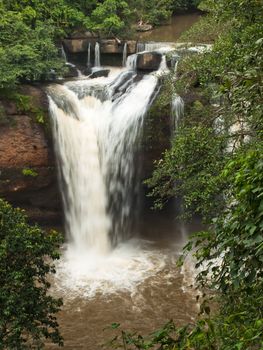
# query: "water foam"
{"type": "Point", "coordinates": [123, 270]}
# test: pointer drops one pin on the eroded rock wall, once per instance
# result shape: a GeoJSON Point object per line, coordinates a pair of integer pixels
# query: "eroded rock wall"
{"type": "Point", "coordinates": [27, 165]}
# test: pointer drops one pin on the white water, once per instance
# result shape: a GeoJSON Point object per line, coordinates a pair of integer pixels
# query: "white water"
{"type": "Point", "coordinates": [95, 141]}
{"type": "Point", "coordinates": [97, 55]}
{"type": "Point", "coordinates": [96, 125]}
{"type": "Point", "coordinates": [163, 66]}
{"type": "Point", "coordinates": [124, 55]}
{"type": "Point", "coordinates": [64, 56]}
{"type": "Point", "coordinates": [140, 47]}
{"type": "Point", "coordinates": [131, 62]}
{"type": "Point", "coordinates": [89, 56]}
{"type": "Point", "coordinates": [156, 46]}
{"type": "Point", "coordinates": [177, 111]}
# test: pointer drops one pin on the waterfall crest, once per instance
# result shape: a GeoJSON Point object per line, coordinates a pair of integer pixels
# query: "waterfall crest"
{"type": "Point", "coordinates": [96, 129]}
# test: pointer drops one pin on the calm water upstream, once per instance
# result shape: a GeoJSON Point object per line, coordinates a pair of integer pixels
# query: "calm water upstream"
{"type": "Point", "coordinates": [112, 270]}
{"type": "Point", "coordinates": [173, 31]}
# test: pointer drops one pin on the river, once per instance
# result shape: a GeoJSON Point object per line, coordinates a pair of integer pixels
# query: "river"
{"type": "Point", "coordinates": [172, 31]}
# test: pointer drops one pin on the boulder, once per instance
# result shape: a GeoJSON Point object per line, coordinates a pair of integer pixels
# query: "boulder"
{"type": "Point", "coordinates": [149, 61]}
{"type": "Point", "coordinates": [72, 71]}
{"type": "Point", "coordinates": [76, 45]}
{"type": "Point", "coordinates": [110, 46]}
{"type": "Point", "coordinates": [99, 72]}
{"type": "Point", "coordinates": [144, 27]}
{"type": "Point", "coordinates": [132, 46]}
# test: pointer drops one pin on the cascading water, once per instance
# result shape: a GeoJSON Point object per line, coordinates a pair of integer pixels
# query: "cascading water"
{"type": "Point", "coordinates": [132, 62]}
{"type": "Point", "coordinates": [177, 111]}
{"type": "Point", "coordinates": [64, 56]}
{"type": "Point", "coordinates": [124, 55]}
{"type": "Point", "coordinates": [163, 65]}
{"type": "Point", "coordinates": [89, 56]}
{"type": "Point", "coordinates": [95, 142]}
{"type": "Point", "coordinates": [97, 124]}
{"type": "Point", "coordinates": [155, 46]}
{"type": "Point", "coordinates": [97, 55]}
{"type": "Point", "coordinates": [140, 47]}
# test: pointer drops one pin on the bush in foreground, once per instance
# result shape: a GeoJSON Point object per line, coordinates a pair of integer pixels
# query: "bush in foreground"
{"type": "Point", "coordinates": [27, 312]}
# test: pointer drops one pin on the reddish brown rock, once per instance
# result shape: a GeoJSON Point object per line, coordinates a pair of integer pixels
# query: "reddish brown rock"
{"type": "Point", "coordinates": [23, 144]}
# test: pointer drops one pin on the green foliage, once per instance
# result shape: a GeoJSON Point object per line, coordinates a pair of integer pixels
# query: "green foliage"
{"type": "Point", "coordinates": [29, 172]}
{"type": "Point", "coordinates": [230, 257]}
{"type": "Point", "coordinates": [185, 4]}
{"type": "Point", "coordinates": [110, 17]}
{"type": "Point", "coordinates": [190, 170]}
{"type": "Point", "coordinates": [4, 120]}
{"type": "Point", "coordinates": [59, 14]}
{"type": "Point", "coordinates": [26, 310]}
{"type": "Point", "coordinates": [26, 54]}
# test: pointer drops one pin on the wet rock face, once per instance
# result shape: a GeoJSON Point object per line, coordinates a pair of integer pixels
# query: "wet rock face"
{"type": "Point", "coordinates": [23, 144]}
{"type": "Point", "coordinates": [27, 166]}
{"type": "Point", "coordinates": [107, 46]}
{"type": "Point", "coordinates": [38, 195]}
{"type": "Point", "coordinates": [76, 45]}
{"type": "Point", "coordinates": [149, 61]}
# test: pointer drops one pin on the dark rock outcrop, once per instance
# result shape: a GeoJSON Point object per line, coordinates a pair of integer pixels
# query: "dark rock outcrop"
{"type": "Point", "coordinates": [99, 72]}
{"type": "Point", "coordinates": [149, 61]}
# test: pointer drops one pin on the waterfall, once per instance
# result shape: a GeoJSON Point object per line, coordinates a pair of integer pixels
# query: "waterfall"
{"type": "Point", "coordinates": [177, 111]}
{"type": "Point", "coordinates": [124, 55]}
{"type": "Point", "coordinates": [63, 54]}
{"type": "Point", "coordinates": [131, 62]}
{"type": "Point", "coordinates": [155, 46]}
{"type": "Point", "coordinates": [163, 65]}
{"type": "Point", "coordinates": [95, 136]}
{"type": "Point", "coordinates": [140, 47]}
{"type": "Point", "coordinates": [97, 55]}
{"type": "Point", "coordinates": [88, 58]}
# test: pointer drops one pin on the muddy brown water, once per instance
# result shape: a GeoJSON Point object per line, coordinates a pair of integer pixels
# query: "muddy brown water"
{"type": "Point", "coordinates": [173, 31]}
{"type": "Point", "coordinates": [167, 292]}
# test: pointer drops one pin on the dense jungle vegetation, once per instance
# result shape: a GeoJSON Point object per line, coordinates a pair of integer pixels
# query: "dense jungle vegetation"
{"type": "Point", "coordinates": [215, 166]}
